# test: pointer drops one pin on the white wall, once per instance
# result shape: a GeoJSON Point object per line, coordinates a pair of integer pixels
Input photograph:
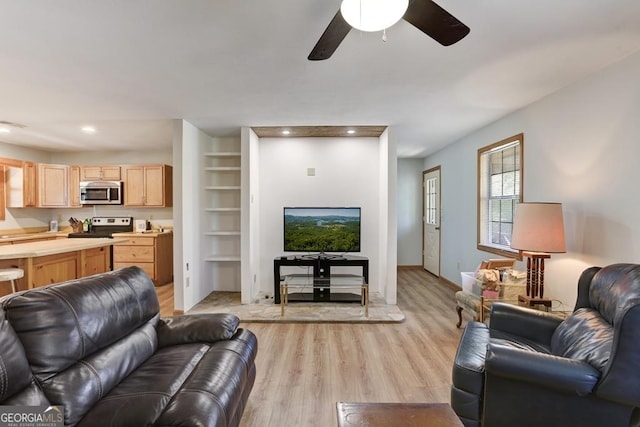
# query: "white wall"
{"type": "Point", "coordinates": [250, 216]}
{"type": "Point", "coordinates": [581, 148]}
{"type": "Point", "coordinates": [346, 174]}
{"type": "Point", "coordinates": [410, 211]}
{"type": "Point", "coordinates": [191, 279]}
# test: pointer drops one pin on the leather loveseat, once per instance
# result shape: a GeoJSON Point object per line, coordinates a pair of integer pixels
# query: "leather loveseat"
{"type": "Point", "coordinates": [98, 347]}
{"type": "Point", "coordinates": [531, 368]}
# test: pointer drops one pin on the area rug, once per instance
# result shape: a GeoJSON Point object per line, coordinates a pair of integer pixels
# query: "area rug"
{"type": "Point", "coordinates": [396, 414]}
{"type": "Point", "coordinates": [264, 310]}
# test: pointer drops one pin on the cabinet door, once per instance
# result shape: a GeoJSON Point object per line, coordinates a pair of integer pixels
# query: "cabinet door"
{"type": "Point", "coordinates": [74, 186]}
{"type": "Point", "coordinates": [53, 188]}
{"type": "Point", "coordinates": [111, 173]}
{"type": "Point", "coordinates": [154, 186]}
{"type": "Point", "coordinates": [134, 186]}
{"type": "Point", "coordinates": [100, 173]}
{"type": "Point", "coordinates": [30, 193]}
{"type": "Point", "coordinates": [90, 173]}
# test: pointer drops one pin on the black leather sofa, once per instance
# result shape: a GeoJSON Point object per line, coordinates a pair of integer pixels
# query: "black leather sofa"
{"type": "Point", "coordinates": [531, 368]}
{"type": "Point", "coordinates": [98, 347]}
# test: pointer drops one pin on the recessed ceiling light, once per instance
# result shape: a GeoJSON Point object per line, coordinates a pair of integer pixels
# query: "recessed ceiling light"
{"type": "Point", "coordinates": [351, 131]}
{"type": "Point", "coordinates": [5, 130]}
{"type": "Point", "coordinates": [88, 129]}
{"type": "Point", "coordinates": [286, 132]}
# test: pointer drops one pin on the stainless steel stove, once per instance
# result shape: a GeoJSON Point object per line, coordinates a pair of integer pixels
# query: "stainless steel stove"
{"type": "Point", "coordinates": [105, 226]}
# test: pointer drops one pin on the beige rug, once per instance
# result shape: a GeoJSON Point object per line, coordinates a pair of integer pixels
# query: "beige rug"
{"type": "Point", "coordinates": [299, 312]}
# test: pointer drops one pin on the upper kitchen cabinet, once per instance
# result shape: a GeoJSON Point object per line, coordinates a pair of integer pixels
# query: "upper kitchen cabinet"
{"type": "Point", "coordinates": [148, 185]}
{"type": "Point", "coordinates": [21, 185]}
{"type": "Point", "coordinates": [53, 185]}
{"type": "Point", "coordinates": [74, 186]}
{"type": "Point", "coordinates": [100, 173]}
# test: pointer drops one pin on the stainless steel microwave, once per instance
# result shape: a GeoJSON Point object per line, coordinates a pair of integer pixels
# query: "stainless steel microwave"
{"type": "Point", "coordinates": [100, 192]}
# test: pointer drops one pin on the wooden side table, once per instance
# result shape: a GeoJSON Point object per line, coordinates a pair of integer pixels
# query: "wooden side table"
{"type": "Point", "coordinates": [532, 302]}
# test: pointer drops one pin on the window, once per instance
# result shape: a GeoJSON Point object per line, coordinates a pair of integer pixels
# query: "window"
{"type": "Point", "coordinates": [431, 193]}
{"type": "Point", "coordinates": [499, 190]}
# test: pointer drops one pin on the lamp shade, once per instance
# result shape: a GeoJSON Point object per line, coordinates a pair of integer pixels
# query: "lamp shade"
{"type": "Point", "coordinates": [373, 15]}
{"type": "Point", "coordinates": [538, 227]}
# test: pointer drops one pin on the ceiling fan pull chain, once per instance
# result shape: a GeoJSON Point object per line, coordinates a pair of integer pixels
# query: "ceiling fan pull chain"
{"type": "Point", "coordinates": [384, 35]}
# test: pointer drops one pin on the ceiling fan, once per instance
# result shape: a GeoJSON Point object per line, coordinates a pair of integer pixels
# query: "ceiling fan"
{"type": "Point", "coordinates": [425, 15]}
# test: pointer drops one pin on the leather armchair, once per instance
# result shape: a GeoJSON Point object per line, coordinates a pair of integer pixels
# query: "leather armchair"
{"type": "Point", "coordinates": [531, 368]}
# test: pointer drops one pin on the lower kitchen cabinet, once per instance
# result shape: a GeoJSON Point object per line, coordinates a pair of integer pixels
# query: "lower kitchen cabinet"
{"type": "Point", "coordinates": [153, 252]}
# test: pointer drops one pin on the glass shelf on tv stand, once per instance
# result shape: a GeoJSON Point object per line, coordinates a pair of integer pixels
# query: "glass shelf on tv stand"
{"type": "Point", "coordinates": [305, 282]}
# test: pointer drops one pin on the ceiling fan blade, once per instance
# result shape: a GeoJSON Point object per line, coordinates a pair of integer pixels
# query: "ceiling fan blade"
{"type": "Point", "coordinates": [329, 41]}
{"type": "Point", "coordinates": [435, 22]}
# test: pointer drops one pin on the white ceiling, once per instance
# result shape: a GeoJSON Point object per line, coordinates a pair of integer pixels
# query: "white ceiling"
{"type": "Point", "coordinates": [130, 66]}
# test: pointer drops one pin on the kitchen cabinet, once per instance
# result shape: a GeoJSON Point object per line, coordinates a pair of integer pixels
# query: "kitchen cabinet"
{"type": "Point", "coordinates": [148, 185]}
{"type": "Point", "coordinates": [100, 173]}
{"type": "Point", "coordinates": [21, 185]}
{"type": "Point", "coordinates": [74, 186]}
{"type": "Point", "coordinates": [153, 252]}
{"type": "Point", "coordinates": [53, 185]}
{"type": "Point", "coordinates": [53, 261]}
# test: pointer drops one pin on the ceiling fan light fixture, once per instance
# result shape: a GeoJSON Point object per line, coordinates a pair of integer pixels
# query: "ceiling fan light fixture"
{"type": "Point", "coordinates": [373, 15]}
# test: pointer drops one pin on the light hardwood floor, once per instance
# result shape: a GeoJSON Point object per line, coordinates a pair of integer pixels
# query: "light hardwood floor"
{"type": "Point", "coordinates": [304, 369]}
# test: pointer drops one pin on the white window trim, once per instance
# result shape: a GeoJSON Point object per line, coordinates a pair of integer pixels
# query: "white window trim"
{"type": "Point", "coordinates": [482, 201]}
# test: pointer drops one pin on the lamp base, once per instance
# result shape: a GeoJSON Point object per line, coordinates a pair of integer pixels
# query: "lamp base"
{"type": "Point", "coordinates": [535, 273]}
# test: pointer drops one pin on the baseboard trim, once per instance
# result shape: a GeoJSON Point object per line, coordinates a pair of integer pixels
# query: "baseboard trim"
{"type": "Point", "coordinates": [409, 267]}
{"type": "Point", "coordinates": [450, 284]}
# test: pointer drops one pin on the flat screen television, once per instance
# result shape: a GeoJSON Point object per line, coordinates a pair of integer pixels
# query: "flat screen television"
{"type": "Point", "coordinates": [321, 229]}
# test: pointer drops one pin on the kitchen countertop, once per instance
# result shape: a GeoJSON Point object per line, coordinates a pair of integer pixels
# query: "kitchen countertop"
{"type": "Point", "coordinates": [150, 233]}
{"type": "Point", "coordinates": [52, 247]}
{"type": "Point", "coordinates": [29, 236]}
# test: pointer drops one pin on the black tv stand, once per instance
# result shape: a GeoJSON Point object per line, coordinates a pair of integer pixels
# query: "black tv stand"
{"type": "Point", "coordinates": [321, 267]}
{"type": "Point", "coordinates": [322, 255]}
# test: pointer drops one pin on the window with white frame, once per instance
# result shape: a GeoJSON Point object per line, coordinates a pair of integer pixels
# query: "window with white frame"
{"type": "Point", "coordinates": [499, 190]}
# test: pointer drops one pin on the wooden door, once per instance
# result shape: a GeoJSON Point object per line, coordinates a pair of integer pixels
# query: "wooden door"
{"type": "Point", "coordinates": [431, 220]}
{"type": "Point", "coordinates": [134, 186]}
{"type": "Point", "coordinates": [29, 188]}
{"type": "Point", "coordinates": [154, 186]}
{"type": "Point", "coordinates": [111, 173]}
{"type": "Point", "coordinates": [90, 173]}
{"type": "Point", "coordinates": [53, 188]}
{"type": "Point", "coordinates": [74, 186]}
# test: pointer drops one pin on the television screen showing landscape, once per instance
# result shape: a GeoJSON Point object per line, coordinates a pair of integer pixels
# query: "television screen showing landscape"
{"type": "Point", "coordinates": [322, 229]}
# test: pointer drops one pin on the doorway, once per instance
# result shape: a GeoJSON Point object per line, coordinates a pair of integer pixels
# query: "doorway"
{"type": "Point", "coordinates": [431, 220]}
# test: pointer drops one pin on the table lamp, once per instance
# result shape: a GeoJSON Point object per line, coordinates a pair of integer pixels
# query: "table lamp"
{"type": "Point", "coordinates": [538, 230]}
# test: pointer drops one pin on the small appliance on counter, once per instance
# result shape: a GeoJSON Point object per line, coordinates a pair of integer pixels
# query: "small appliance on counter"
{"type": "Point", "coordinates": [105, 226]}
{"type": "Point", "coordinates": [142, 225]}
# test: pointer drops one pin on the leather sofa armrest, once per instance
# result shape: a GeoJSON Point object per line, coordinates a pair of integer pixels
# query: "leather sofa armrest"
{"type": "Point", "coordinates": [533, 325]}
{"type": "Point", "coordinates": [541, 369]}
{"type": "Point", "coordinates": [194, 328]}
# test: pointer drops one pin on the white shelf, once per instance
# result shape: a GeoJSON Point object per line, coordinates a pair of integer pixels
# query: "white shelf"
{"type": "Point", "coordinates": [222, 154]}
{"type": "Point", "coordinates": [222, 210]}
{"type": "Point", "coordinates": [223, 168]}
{"type": "Point", "coordinates": [222, 187]}
{"type": "Point", "coordinates": [222, 233]}
{"type": "Point", "coordinates": [223, 258]}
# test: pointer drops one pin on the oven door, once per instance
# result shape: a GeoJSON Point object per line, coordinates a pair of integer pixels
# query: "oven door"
{"type": "Point", "coordinates": [101, 193]}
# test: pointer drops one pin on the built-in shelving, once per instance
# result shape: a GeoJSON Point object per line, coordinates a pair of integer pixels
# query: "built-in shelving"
{"type": "Point", "coordinates": [221, 212]}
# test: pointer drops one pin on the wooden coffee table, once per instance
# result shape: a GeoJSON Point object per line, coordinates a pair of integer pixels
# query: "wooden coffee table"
{"type": "Point", "coordinates": [396, 414]}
